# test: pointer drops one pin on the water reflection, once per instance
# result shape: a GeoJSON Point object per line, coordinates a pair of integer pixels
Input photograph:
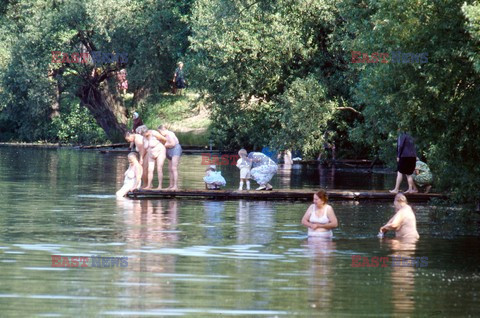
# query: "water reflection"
{"type": "Point", "coordinates": [148, 224]}
{"type": "Point", "coordinates": [213, 219]}
{"type": "Point", "coordinates": [321, 280]}
{"type": "Point", "coordinates": [402, 277]}
{"type": "Point", "coordinates": [255, 222]}
{"type": "Point", "coordinates": [326, 177]}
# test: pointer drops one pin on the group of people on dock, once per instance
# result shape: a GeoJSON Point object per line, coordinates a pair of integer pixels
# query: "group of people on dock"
{"type": "Point", "coordinates": [320, 218]}
{"type": "Point", "coordinates": [152, 147]}
{"type": "Point", "coordinates": [253, 165]}
{"type": "Point", "coordinates": [417, 172]}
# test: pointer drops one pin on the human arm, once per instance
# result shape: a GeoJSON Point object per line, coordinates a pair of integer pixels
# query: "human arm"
{"type": "Point", "coordinates": [169, 141]}
{"type": "Point", "coordinates": [393, 224]}
{"type": "Point", "coordinates": [306, 217]}
{"type": "Point", "coordinates": [159, 136]}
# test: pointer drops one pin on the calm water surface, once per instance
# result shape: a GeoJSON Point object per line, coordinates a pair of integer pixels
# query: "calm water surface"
{"type": "Point", "coordinates": [217, 258]}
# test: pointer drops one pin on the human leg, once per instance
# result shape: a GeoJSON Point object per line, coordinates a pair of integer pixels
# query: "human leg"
{"type": "Point", "coordinates": [145, 170]}
{"type": "Point", "coordinates": [411, 185]}
{"type": "Point", "coordinates": [397, 183]}
{"type": "Point", "coordinates": [175, 163]}
{"type": "Point", "coordinates": [151, 168]}
{"type": "Point", "coordinates": [160, 160]}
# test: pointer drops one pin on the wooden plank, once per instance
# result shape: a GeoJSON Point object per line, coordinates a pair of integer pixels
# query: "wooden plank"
{"type": "Point", "coordinates": [333, 194]}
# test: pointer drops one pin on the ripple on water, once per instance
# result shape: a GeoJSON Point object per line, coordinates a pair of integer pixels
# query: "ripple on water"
{"type": "Point", "coordinates": [185, 311]}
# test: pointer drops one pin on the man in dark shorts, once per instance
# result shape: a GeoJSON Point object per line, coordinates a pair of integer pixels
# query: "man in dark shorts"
{"type": "Point", "coordinates": [174, 151]}
{"type": "Point", "coordinates": [406, 158]}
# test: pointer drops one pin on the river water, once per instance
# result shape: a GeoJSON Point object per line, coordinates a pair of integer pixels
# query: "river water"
{"type": "Point", "coordinates": [202, 258]}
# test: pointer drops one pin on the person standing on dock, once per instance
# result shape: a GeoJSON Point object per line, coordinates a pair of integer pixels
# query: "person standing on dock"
{"type": "Point", "coordinates": [156, 152]}
{"type": "Point", "coordinates": [174, 151]}
{"type": "Point", "coordinates": [320, 218]}
{"type": "Point", "coordinates": [244, 164]}
{"type": "Point", "coordinates": [406, 158]}
{"type": "Point", "coordinates": [403, 222]}
{"type": "Point", "coordinates": [263, 169]}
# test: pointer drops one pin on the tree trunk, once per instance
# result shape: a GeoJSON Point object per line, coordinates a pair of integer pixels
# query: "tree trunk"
{"type": "Point", "coordinates": [105, 108]}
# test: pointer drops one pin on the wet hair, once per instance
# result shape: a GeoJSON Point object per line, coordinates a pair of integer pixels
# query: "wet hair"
{"type": "Point", "coordinates": [322, 194]}
{"type": "Point", "coordinates": [400, 197]}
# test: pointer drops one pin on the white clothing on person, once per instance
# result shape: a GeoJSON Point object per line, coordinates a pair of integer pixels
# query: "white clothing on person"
{"type": "Point", "coordinates": [244, 167]}
{"type": "Point", "coordinates": [314, 218]}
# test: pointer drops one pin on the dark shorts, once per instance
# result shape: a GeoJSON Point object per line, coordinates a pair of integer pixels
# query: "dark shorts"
{"type": "Point", "coordinates": [175, 151]}
{"type": "Point", "coordinates": [406, 165]}
{"type": "Point", "coordinates": [180, 83]}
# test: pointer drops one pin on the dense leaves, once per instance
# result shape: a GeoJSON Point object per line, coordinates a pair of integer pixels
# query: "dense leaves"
{"type": "Point", "coordinates": [276, 73]}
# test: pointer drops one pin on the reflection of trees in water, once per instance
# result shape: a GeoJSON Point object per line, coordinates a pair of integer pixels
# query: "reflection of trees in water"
{"type": "Point", "coordinates": [255, 222]}
{"type": "Point", "coordinates": [326, 177]}
{"type": "Point", "coordinates": [147, 226]}
{"type": "Point", "coordinates": [403, 278]}
{"type": "Point", "coordinates": [214, 211]}
{"type": "Point", "coordinates": [320, 281]}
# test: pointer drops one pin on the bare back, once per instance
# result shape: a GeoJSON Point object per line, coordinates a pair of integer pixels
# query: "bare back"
{"type": "Point", "coordinates": [172, 139]}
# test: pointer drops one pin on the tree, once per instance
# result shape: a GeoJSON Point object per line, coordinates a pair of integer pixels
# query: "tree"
{"type": "Point", "coordinates": [152, 34]}
{"type": "Point", "coordinates": [248, 54]}
{"type": "Point", "coordinates": [437, 101]}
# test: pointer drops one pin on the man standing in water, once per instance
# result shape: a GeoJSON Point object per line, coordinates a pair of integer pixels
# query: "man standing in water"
{"type": "Point", "coordinates": [174, 151]}
{"type": "Point", "coordinates": [403, 222]}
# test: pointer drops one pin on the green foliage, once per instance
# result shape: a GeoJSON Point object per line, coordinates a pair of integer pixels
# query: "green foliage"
{"type": "Point", "coordinates": [246, 55]}
{"type": "Point", "coordinates": [305, 117]}
{"type": "Point", "coordinates": [437, 101]}
{"type": "Point", "coordinates": [76, 125]}
{"type": "Point", "coordinates": [153, 34]}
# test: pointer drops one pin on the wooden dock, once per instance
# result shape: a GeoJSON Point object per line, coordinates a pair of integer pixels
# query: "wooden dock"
{"type": "Point", "coordinates": [333, 194]}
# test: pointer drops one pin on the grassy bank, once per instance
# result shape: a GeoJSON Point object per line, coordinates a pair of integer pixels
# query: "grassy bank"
{"type": "Point", "coordinates": [186, 115]}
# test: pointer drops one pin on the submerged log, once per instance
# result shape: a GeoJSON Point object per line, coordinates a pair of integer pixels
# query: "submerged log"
{"type": "Point", "coordinates": [333, 194]}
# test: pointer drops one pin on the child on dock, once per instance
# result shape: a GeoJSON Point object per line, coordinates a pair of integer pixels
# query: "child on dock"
{"type": "Point", "coordinates": [244, 164]}
{"type": "Point", "coordinates": [213, 178]}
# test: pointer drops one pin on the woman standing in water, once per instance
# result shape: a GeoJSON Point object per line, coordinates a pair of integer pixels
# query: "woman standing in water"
{"type": "Point", "coordinates": [403, 222]}
{"type": "Point", "coordinates": [133, 176]}
{"type": "Point", "coordinates": [320, 218]}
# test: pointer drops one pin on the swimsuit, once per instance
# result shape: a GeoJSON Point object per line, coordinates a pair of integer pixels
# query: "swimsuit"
{"type": "Point", "coordinates": [175, 151]}
{"type": "Point", "coordinates": [320, 220]}
{"type": "Point", "coordinates": [130, 179]}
